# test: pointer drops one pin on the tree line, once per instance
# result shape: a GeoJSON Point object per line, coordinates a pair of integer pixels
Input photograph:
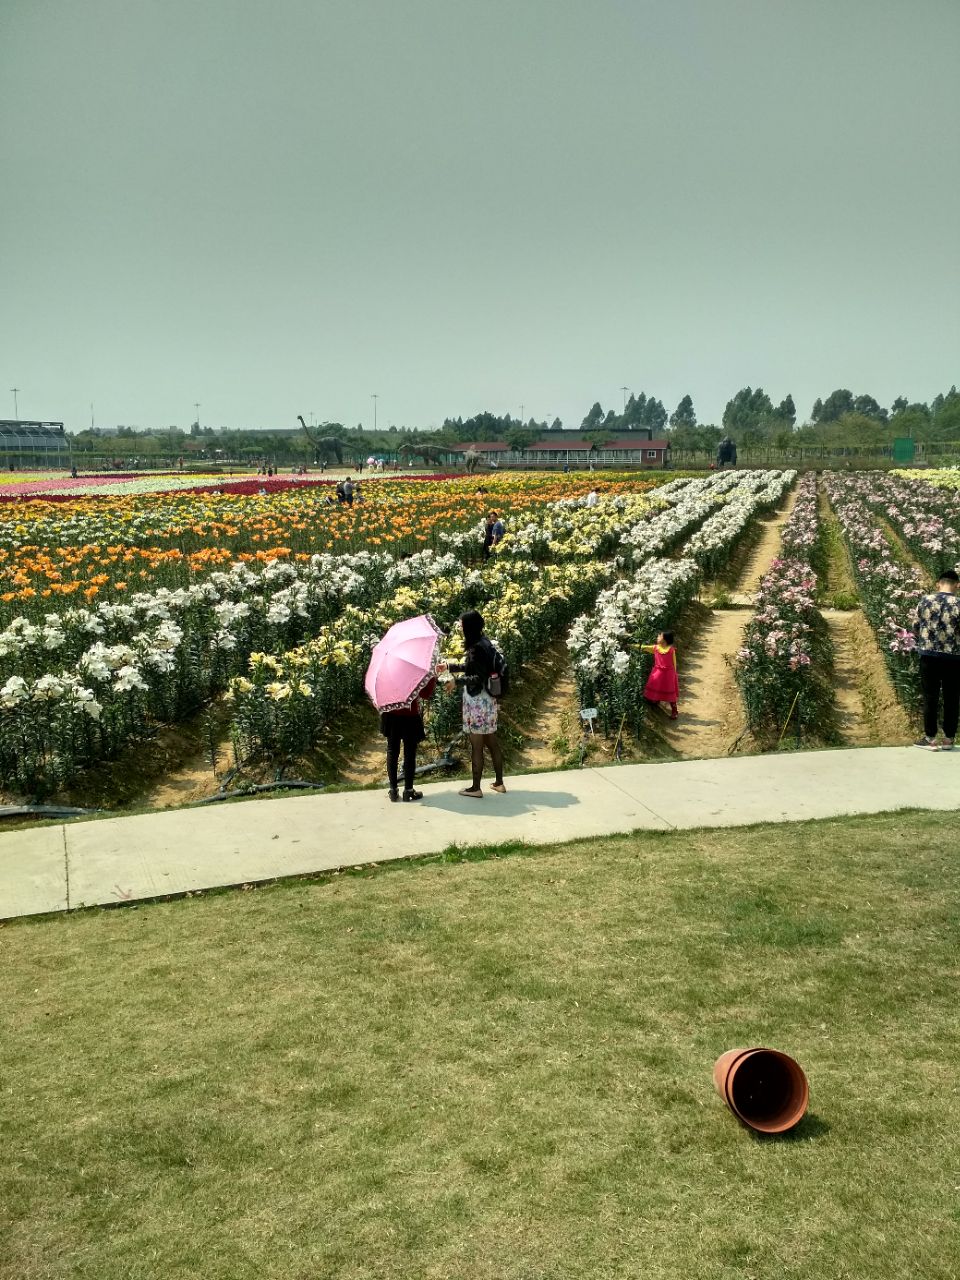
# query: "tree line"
{"type": "Point", "coordinates": [843, 418]}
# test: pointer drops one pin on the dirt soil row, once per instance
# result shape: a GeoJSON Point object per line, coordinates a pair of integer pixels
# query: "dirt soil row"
{"type": "Point", "coordinates": [711, 719]}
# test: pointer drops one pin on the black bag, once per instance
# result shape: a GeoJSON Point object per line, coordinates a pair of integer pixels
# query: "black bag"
{"type": "Point", "coordinates": [498, 681]}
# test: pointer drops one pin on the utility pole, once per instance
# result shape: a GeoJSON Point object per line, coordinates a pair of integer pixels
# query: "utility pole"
{"type": "Point", "coordinates": [521, 415]}
{"type": "Point", "coordinates": [374, 398]}
{"type": "Point", "coordinates": [16, 410]}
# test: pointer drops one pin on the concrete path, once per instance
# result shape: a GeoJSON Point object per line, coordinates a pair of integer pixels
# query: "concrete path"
{"type": "Point", "coordinates": [149, 855]}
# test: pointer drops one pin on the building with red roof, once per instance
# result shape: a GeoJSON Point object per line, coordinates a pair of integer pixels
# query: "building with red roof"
{"type": "Point", "coordinates": [571, 448]}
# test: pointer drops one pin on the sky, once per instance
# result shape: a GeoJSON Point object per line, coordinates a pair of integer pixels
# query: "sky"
{"type": "Point", "coordinates": [515, 205]}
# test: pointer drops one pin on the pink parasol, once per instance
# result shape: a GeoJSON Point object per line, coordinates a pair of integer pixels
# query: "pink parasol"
{"type": "Point", "coordinates": [402, 663]}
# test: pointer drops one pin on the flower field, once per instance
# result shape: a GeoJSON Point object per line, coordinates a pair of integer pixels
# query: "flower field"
{"type": "Point", "coordinates": [137, 612]}
{"type": "Point", "coordinates": [925, 515]}
{"type": "Point", "coordinates": [784, 666]}
{"type": "Point", "coordinates": [890, 587]}
{"type": "Point", "coordinates": [702, 526]}
{"type": "Point", "coordinates": [97, 549]}
{"type": "Point", "coordinates": [122, 613]}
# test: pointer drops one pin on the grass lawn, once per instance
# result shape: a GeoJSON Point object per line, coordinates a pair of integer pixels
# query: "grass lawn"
{"type": "Point", "coordinates": [496, 1068]}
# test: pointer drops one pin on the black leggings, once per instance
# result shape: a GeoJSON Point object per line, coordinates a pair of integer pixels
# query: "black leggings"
{"type": "Point", "coordinates": [477, 742]}
{"type": "Point", "coordinates": [409, 741]}
{"type": "Point", "coordinates": [940, 673]}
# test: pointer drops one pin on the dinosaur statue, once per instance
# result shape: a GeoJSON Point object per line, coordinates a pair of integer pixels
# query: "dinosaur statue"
{"type": "Point", "coordinates": [435, 455]}
{"type": "Point", "coordinates": [325, 445]}
{"type": "Point", "coordinates": [727, 452]}
{"type": "Point", "coordinates": [429, 455]}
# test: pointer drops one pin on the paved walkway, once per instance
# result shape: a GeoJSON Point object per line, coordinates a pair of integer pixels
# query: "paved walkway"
{"type": "Point", "coordinates": [126, 859]}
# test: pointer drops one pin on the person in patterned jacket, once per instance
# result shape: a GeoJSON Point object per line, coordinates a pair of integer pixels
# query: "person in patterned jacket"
{"type": "Point", "coordinates": [938, 642]}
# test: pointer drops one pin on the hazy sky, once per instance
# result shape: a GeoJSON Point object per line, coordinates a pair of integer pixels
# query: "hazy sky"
{"type": "Point", "coordinates": [286, 206]}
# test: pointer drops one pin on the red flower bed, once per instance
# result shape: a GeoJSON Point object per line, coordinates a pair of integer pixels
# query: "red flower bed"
{"type": "Point", "coordinates": [36, 490]}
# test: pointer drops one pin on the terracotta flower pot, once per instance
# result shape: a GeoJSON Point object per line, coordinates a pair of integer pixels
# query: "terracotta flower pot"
{"type": "Point", "coordinates": [764, 1088]}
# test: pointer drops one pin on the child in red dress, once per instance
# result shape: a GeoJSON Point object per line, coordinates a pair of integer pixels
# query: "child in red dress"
{"type": "Point", "coordinates": [663, 686]}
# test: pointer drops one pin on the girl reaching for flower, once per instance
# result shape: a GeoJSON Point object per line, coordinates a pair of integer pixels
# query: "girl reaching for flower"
{"type": "Point", "coordinates": [662, 684]}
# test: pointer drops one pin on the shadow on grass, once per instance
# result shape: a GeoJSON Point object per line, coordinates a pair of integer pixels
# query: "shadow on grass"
{"type": "Point", "coordinates": [811, 1126]}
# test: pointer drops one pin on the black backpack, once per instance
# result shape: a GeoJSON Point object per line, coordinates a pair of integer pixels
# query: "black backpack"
{"type": "Point", "coordinates": [498, 681]}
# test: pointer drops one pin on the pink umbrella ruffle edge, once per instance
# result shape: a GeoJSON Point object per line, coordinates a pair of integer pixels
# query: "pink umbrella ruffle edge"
{"type": "Point", "coordinates": [400, 706]}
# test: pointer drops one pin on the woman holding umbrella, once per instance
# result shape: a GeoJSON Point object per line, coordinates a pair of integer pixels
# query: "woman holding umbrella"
{"type": "Point", "coordinates": [399, 680]}
{"type": "Point", "coordinates": [404, 727]}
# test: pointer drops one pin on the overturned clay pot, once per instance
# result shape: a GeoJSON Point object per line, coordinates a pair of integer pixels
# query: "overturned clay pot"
{"type": "Point", "coordinates": [765, 1089]}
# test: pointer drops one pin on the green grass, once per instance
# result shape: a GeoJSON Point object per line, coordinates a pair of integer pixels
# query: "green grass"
{"type": "Point", "coordinates": [496, 1067]}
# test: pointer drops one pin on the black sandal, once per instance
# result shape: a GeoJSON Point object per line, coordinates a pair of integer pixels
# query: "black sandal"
{"type": "Point", "coordinates": [413, 795]}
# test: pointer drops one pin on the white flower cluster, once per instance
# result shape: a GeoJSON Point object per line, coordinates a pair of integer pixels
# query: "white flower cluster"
{"type": "Point", "coordinates": [567, 529]}
{"type": "Point", "coordinates": [598, 639]}
{"type": "Point", "coordinates": [83, 659]}
{"type": "Point", "coordinates": [66, 690]}
{"type": "Point", "coordinates": [757, 490]}
{"type": "Point", "coordinates": [220, 606]}
{"type": "Point", "coordinates": [690, 504]}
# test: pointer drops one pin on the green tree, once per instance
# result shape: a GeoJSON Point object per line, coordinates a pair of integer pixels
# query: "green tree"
{"type": "Point", "coordinates": [684, 415]}
{"type": "Point", "coordinates": [869, 408]}
{"type": "Point", "coordinates": [837, 404]}
{"type": "Point", "coordinates": [749, 415]}
{"type": "Point", "coordinates": [594, 418]}
{"type": "Point", "coordinates": [654, 415]}
{"type": "Point", "coordinates": [520, 438]}
{"type": "Point", "coordinates": [859, 430]}
{"type": "Point", "coordinates": [787, 411]}
{"type": "Point", "coordinates": [913, 420]}
{"type": "Point", "coordinates": [701, 439]}
{"type": "Point", "coordinates": [945, 416]}
{"type": "Point", "coordinates": [634, 411]}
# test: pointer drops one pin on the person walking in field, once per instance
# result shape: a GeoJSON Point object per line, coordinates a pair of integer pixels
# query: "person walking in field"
{"type": "Point", "coordinates": [937, 629]}
{"type": "Point", "coordinates": [662, 684]}
{"type": "Point", "coordinates": [493, 531]}
{"type": "Point", "coordinates": [479, 704]}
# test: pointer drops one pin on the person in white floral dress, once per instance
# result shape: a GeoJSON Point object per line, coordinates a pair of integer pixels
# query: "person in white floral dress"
{"type": "Point", "coordinates": [479, 705]}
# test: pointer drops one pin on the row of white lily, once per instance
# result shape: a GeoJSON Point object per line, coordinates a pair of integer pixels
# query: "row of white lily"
{"type": "Point", "coordinates": [604, 643]}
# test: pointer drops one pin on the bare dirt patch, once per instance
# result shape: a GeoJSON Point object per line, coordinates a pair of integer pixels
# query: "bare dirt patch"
{"type": "Point", "coordinates": [192, 779]}
{"type": "Point", "coordinates": [540, 719]}
{"type": "Point", "coordinates": [869, 711]}
{"type": "Point", "coordinates": [760, 545]}
{"type": "Point", "coordinates": [171, 765]}
{"type": "Point", "coordinates": [846, 635]}
{"type": "Point", "coordinates": [711, 719]}
{"type": "Point", "coordinates": [838, 586]}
